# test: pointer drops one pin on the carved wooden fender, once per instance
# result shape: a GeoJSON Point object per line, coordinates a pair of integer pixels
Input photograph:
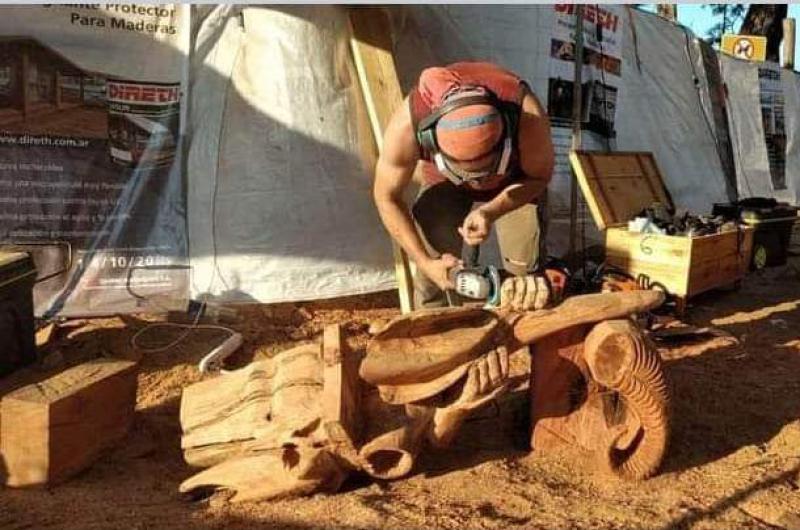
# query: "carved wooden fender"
{"type": "Point", "coordinates": [602, 388]}
{"type": "Point", "coordinates": [420, 355]}
{"type": "Point", "coordinates": [621, 360]}
{"type": "Point", "coordinates": [292, 424]}
{"type": "Point", "coordinates": [284, 426]}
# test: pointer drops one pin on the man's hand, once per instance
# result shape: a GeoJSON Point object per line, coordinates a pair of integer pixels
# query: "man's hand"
{"type": "Point", "coordinates": [438, 270]}
{"type": "Point", "coordinates": [476, 226]}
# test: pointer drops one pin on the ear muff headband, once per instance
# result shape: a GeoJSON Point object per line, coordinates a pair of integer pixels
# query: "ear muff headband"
{"type": "Point", "coordinates": [426, 136]}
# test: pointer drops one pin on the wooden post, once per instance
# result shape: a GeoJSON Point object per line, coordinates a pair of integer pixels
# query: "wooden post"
{"type": "Point", "coordinates": [788, 43]}
{"type": "Point", "coordinates": [371, 44]}
{"type": "Point", "coordinates": [577, 107]}
{"type": "Point", "coordinates": [341, 393]}
{"type": "Point", "coordinates": [668, 11]}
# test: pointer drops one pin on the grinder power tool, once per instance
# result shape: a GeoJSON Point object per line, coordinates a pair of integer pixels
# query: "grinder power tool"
{"type": "Point", "coordinates": [476, 282]}
{"type": "Point", "coordinates": [484, 283]}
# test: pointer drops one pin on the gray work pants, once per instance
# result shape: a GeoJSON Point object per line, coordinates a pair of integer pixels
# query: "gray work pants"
{"type": "Point", "coordinates": [438, 212]}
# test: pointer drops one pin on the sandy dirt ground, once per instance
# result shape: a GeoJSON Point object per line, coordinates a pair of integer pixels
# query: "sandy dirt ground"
{"type": "Point", "coordinates": [734, 460]}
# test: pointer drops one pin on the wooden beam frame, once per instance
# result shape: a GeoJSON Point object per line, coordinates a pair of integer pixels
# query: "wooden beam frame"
{"type": "Point", "coordinates": [371, 44]}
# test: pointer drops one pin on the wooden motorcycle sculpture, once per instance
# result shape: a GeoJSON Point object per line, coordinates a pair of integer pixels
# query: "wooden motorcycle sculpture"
{"type": "Point", "coordinates": [294, 424]}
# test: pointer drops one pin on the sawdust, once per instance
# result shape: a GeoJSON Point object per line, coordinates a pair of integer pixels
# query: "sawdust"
{"type": "Point", "coordinates": [734, 461]}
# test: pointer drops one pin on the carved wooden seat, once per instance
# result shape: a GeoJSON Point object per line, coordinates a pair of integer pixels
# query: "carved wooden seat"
{"type": "Point", "coordinates": [426, 345]}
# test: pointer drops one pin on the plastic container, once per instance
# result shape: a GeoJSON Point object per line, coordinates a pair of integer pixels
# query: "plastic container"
{"type": "Point", "coordinates": [773, 222]}
{"type": "Point", "coordinates": [18, 344]}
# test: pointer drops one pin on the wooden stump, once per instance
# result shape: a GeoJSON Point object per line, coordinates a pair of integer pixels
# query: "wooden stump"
{"type": "Point", "coordinates": [54, 429]}
{"type": "Point", "coordinates": [253, 409]}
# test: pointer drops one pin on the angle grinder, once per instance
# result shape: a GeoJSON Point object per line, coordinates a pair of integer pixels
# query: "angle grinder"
{"type": "Point", "coordinates": [476, 282]}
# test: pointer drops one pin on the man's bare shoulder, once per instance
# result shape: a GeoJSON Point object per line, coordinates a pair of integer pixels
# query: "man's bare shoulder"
{"type": "Point", "coordinates": [399, 140]}
{"type": "Point", "coordinates": [535, 142]}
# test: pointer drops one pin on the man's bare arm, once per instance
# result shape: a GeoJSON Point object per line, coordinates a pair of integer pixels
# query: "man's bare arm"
{"type": "Point", "coordinates": [393, 173]}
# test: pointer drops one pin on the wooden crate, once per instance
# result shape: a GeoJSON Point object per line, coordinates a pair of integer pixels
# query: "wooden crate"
{"type": "Point", "coordinates": [617, 186]}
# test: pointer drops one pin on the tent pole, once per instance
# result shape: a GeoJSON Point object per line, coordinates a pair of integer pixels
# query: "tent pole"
{"type": "Point", "coordinates": [788, 43]}
{"type": "Point", "coordinates": [576, 133]}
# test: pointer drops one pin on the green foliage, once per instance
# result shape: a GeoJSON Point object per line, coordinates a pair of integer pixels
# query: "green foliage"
{"type": "Point", "coordinates": [730, 17]}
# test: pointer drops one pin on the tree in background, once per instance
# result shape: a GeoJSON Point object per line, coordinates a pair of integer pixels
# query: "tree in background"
{"type": "Point", "coordinates": [729, 16]}
{"type": "Point", "coordinates": [756, 19]}
{"type": "Point", "coordinates": [766, 20]}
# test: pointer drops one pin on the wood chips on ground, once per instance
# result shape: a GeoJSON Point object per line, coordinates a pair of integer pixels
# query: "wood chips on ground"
{"type": "Point", "coordinates": [734, 461]}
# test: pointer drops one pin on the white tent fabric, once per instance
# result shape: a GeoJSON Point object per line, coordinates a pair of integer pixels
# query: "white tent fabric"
{"type": "Point", "coordinates": [661, 110]}
{"type": "Point", "coordinates": [281, 160]}
{"type": "Point", "coordinates": [280, 165]}
{"type": "Point", "coordinates": [747, 131]}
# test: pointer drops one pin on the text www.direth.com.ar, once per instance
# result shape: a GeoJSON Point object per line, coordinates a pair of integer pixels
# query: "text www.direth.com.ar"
{"type": "Point", "coordinates": [27, 139]}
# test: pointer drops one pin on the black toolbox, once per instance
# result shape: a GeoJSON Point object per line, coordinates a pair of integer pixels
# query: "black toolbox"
{"type": "Point", "coordinates": [773, 222]}
{"type": "Point", "coordinates": [17, 341]}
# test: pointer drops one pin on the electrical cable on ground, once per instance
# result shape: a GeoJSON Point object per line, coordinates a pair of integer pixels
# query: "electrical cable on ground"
{"type": "Point", "coordinates": [189, 328]}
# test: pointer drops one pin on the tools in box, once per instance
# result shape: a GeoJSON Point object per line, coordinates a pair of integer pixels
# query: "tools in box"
{"type": "Point", "coordinates": [617, 188]}
{"type": "Point", "coordinates": [657, 220]}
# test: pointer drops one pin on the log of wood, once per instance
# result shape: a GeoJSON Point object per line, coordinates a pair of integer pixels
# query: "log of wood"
{"type": "Point", "coordinates": [54, 429]}
{"type": "Point", "coordinates": [257, 408]}
{"type": "Point", "coordinates": [584, 309]}
{"type": "Point", "coordinates": [420, 347]}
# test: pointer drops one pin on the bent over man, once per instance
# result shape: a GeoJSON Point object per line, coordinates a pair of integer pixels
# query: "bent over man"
{"type": "Point", "coordinates": [483, 140]}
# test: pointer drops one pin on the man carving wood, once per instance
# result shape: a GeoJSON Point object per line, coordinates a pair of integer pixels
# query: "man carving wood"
{"type": "Point", "coordinates": [480, 136]}
{"type": "Point", "coordinates": [265, 431]}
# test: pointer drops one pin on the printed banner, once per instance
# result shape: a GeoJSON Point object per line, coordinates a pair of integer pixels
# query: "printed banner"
{"type": "Point", "coordinates": [601, 81]}
{"type": "Point", "coordinates": [91, 99]}
{"type": "Point", "coordinates": [602, 65]}
{"type": "Point", "coordinates": [772, 117]}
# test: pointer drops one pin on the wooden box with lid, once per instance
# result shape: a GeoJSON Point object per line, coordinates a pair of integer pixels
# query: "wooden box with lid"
{"type": "Point", "coordinates": [617, 186]}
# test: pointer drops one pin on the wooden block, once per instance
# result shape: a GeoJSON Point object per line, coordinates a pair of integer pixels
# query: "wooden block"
{"type": "Point", "coordinates": [54, 429]}
{"type": "Point", "coordinates": [341, 388]}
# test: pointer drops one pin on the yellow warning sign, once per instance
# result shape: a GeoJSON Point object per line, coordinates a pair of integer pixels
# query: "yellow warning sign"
{"type": "Point", "coordinates": [747, 47]}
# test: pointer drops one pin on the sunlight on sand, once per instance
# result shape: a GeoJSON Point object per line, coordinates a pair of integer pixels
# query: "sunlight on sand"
{"type": "Point", "coordinates": [792, 344]}
{"type": "Point", "coordinates": [758, 314]}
